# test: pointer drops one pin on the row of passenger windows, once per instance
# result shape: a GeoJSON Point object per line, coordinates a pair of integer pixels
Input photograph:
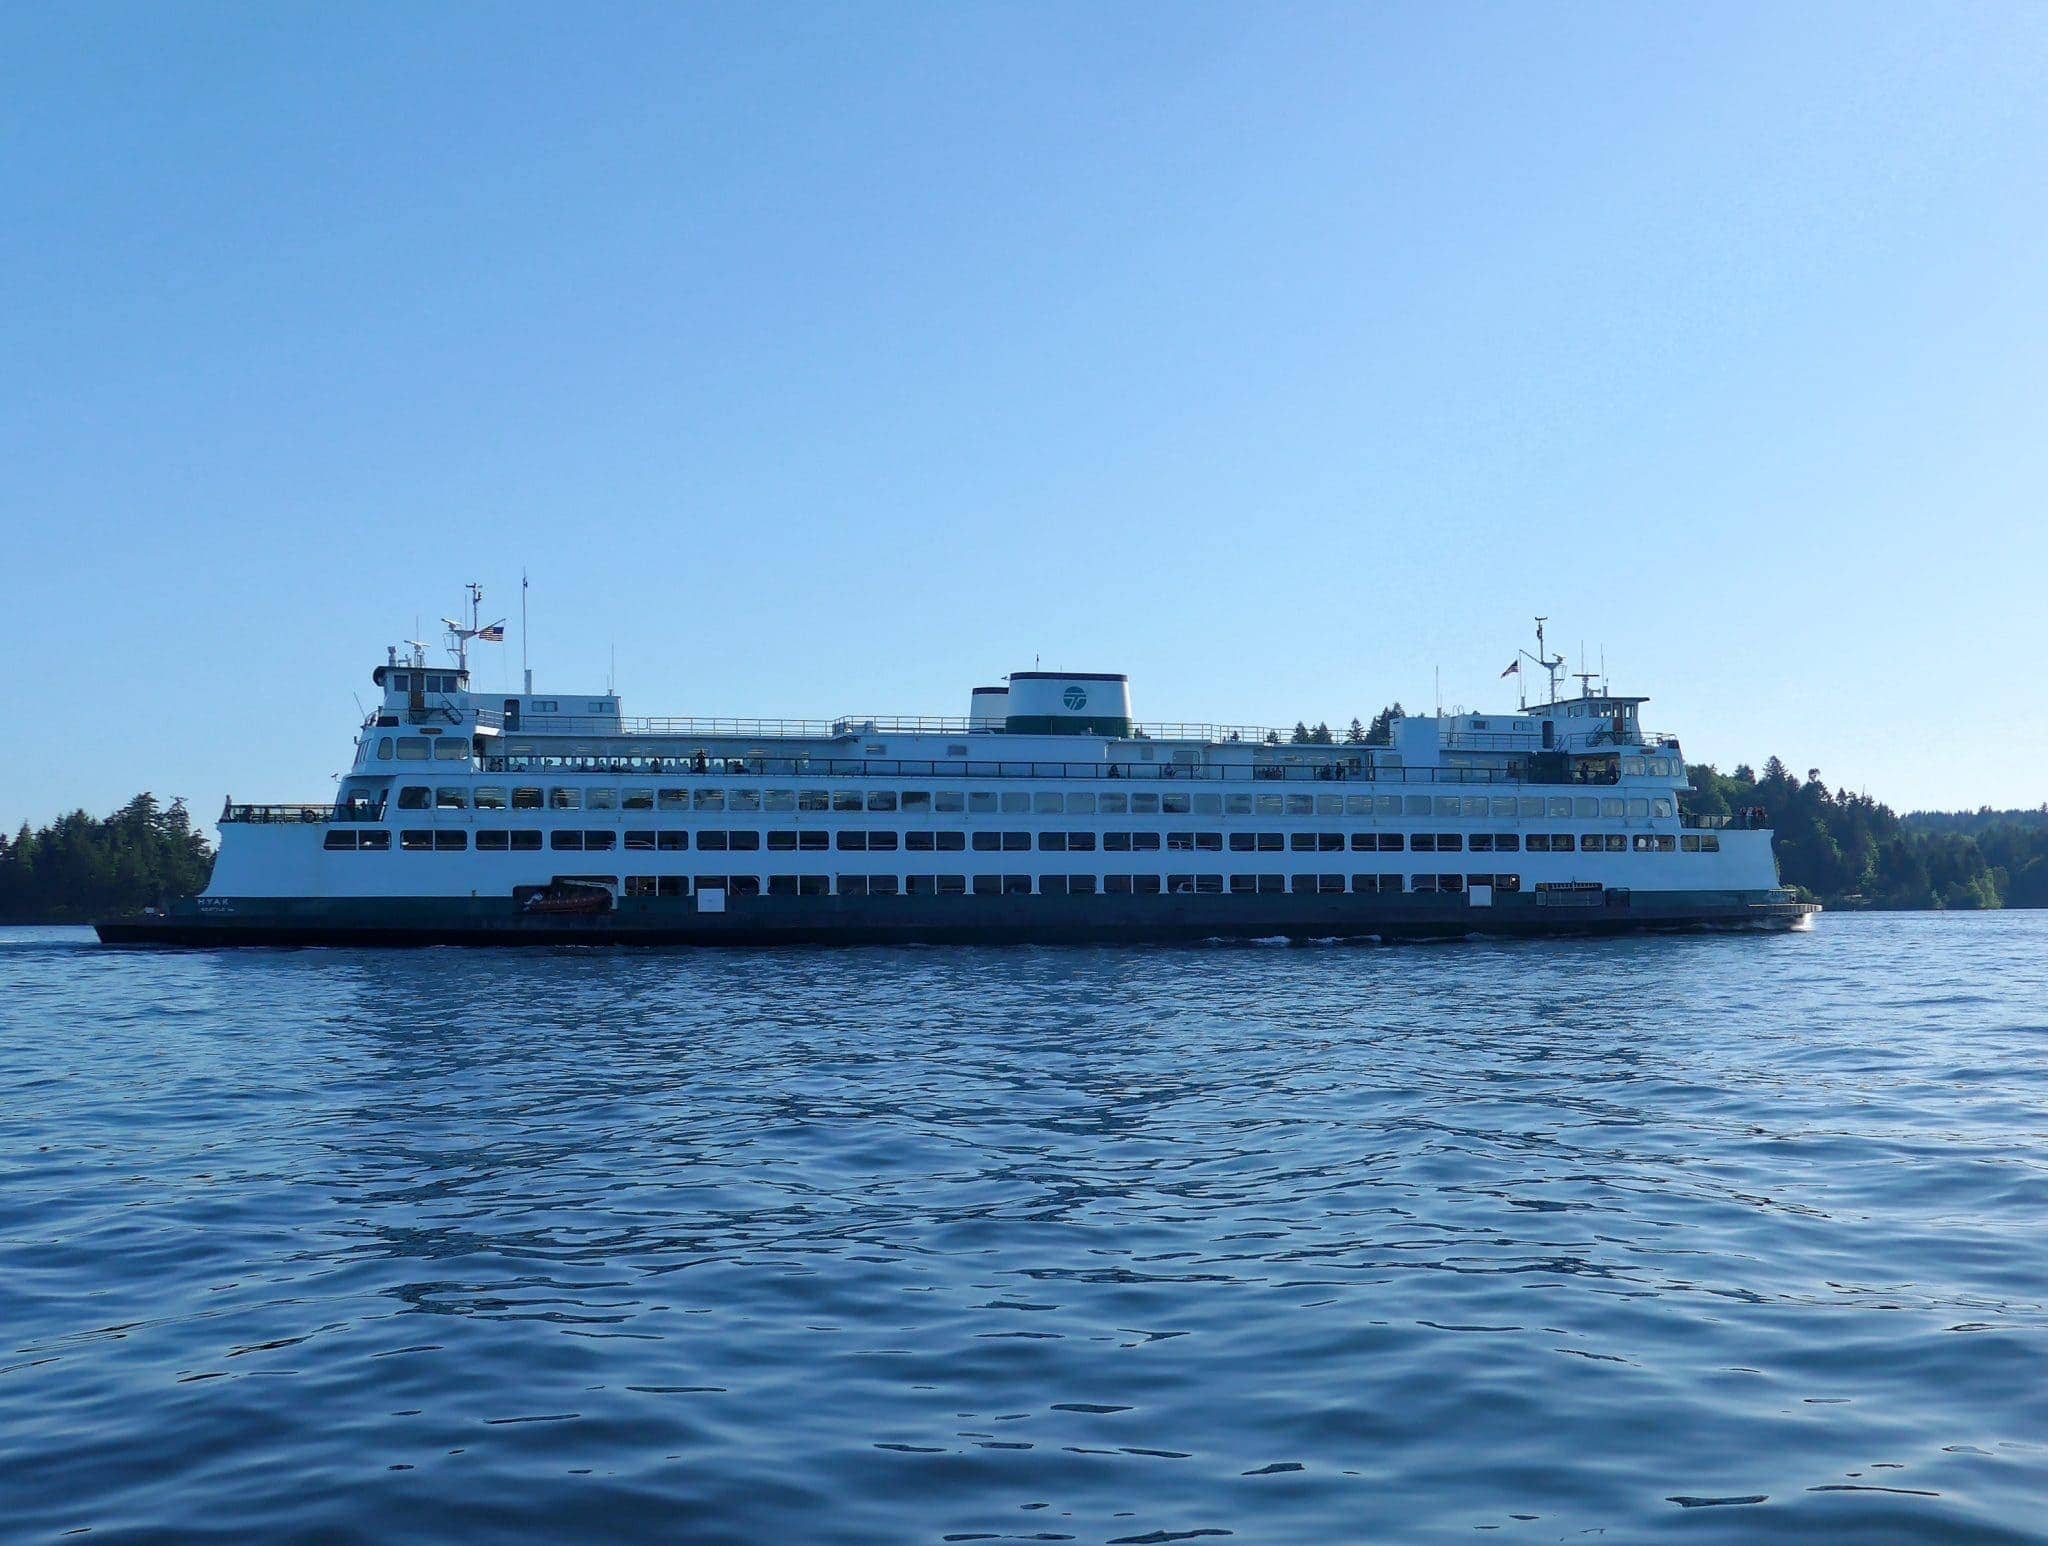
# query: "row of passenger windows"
{"type": "Point", "coordinates": [601, 840]}
{"type": "Point", "coordinates": [1063, 885]}
{"type": "Point", "coordinates": [1017, 802]}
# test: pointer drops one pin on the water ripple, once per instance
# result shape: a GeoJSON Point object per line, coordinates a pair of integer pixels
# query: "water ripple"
{"type": "Point", "coordinates": [1740, 1237]}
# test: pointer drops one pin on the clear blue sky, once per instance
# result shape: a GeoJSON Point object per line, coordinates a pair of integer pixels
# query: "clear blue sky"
{"type": "Point", "coordinates": [824, 359]}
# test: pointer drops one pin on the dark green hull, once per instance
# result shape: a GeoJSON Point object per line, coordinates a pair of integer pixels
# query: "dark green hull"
{"type": "Point", "coordinates": [1101, 919]}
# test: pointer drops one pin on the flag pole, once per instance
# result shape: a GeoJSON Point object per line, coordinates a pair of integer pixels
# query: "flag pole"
{"type": "Point", "coordinates": [525, 670]}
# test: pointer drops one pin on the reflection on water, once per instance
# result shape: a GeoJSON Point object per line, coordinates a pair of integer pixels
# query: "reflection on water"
{"type": "Point", "coordinates": [1733, 1235]}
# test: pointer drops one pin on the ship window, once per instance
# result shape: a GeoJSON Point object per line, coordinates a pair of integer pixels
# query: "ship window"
{"type": "Point", "coordinates": [671, 842]}
{"type": "Point", "coordinates": [881, 842]}
{"type": "Point", "coordinates": [917, 800]}
{"type": "Point", "coordinates": [1080, 805]}
{"type": "Point", "coordinates": [672, 799]}
{"type": "Point", "coordinates": [743, 885]}
{"type": "Point", "coordinates": [846, 801]}
{"type": "Point", "coordinates": [1052, 842]}
{"type": "Point", "coordinates": [1016, 802]}
{"type": "Point", "coordinates": [1501, 805]}
{"type": "Point", "coordinates": [1300, 805]}
{"type": "Point", "coordinates": [1080, 842]}
{"type": "Point", "coordinates": [1415, 804]}
{"type": "Point", "coordinates": [640, 837]}
{"type": "Point", "coordinates": [949, 802]}
{"type": "Point", "coordinates": [490, 797]}
{"type": "Point", "coordinates": [952, 842]}
{"type": "Point", "coordinates": [710, 841]}
{"type": "Point", "coordinates": [1208, 805]}
{"type": "Point", "coordinates": [447, 841]}
{"type": "Point", "coordinates": [415, 797]}
{"type": "Point", "coordinates": [1173, 804]}
{"type": "Point", "coordinates": [456, 750]}
{"type": "Point", "coordinates": [921, 885]}
{"type": "Point", "coordinates": [1616, 843]}
{"type": "Point", "coordinates": [1302, 842]}
{"type": "Point", "coordinates": [1709, 844]}
{"type": "Point", "coordinates": [1358, 805]}
{"type": "Point", "coordinates": [1144, 805]}
{"type": "Point", "coordinates": [743, 800]}
{"type": "Point", "coordinates": [384, 747]}
{"type": "Point", "coordinates": [1244, 883]}
{"type": "Point", "coordinates": [743, 841]}
{"type": "Point", "coordinates": [1241, 842]}
{"type": "Point", "coordinates": [1666, 843]}
{"type": "Point", "coordinates": [778, 802]}
{"type": "Point", "coordinates": [562, 798]}
{"type": "Point", "coordinates": [857, 842]}
{"type": "Point", "coordinates": [1445, 805]}
{"type": "Point", "coordinates": [813, 800]}
{"type": "Point", "coordinates": [882, 800]}
{"type": "Point", "coordinates": [920, 842]}
{"type": "Point", "coordinates": [1661, 809]}
{"type": "Point", "coordinates": [1268, 804]}
{"type": "Point", "coordinates": [1209, 885]}
{"type": "Point", "coordinates": [1238, 804]}
{"type": "Point", "coordinates": [527, 799]}
{"type": "Point", "coordinates": [1689, 843]}
{"type": "Point", "coordinates": [1145, 842]}
{"type": "Point", "coordinates": [1645, 843]}
{"type": "Point", "coordinates": [1145, 885]}
{"type": "Point", "coordinates": [1423, 843]}
{"type": "Point", "coordinates": [1611, 807]}
{"type": "Point", "coordinates": [339, 841]}
{"type": "Point", "coordinates": [981, 802]}
{"type": "Point", "coordinates": [566, 841]}
{"type": "Point", "coordinates": [1113, 804]}
{"type": "Point", "coordinates": [853, 885]}
{"type": "Point", "coordinates": [451, 798]}
{"type": "Point", "coordinates": [1047, 804]}
{"type": "Point", "coordinates": [708, 800]}
{"type": "Point", "coordinates": [1632, 767]}
{"type": "Point", "coordinates": [1639, 809]}
{"type": "Point", "coordinates": [1584, 806]}
{"type": "Point", "coordinates": [413, 748]}
{"type": "Point", "coordinates": [781, 885]}
{"type": "Point", "coordinates": [416, 841]}
{"type": "Point", "coordinates": [1081, 885]}
{"type": "Point", "coordinates": [638, 800]}
{"type": "Point", "coordinates": [401, 681]}
{"type": "Point", "coordinates": [1482, 842]}
{"type": "Point", "coordinates": [525, 842]}
{"type": "Point", "coordinates": [782, 842]}
{"type": "Point", "coordinates": [1386, 805]}
{"type": "Point", "coordinates": [1052, 885]}
{"type": "Point", "coordinates": [1539, 842]}
{"type": "Point", "coordinates": [1120, 884]}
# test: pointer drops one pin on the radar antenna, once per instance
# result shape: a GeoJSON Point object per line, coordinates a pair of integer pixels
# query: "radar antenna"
{"type": "Point", "coordinates": [1550, 664]}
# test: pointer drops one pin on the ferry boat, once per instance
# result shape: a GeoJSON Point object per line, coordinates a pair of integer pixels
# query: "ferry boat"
{"type": "Point", "coordinates": [1047, 813]}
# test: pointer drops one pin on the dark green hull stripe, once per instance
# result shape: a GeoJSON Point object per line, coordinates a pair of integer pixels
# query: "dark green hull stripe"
{"type": "Point", "coordinates": [938, 920]}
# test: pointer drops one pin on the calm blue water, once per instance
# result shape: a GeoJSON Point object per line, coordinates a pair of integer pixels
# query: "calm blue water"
{"type": "Point", "coordinates": [1717, 1238]}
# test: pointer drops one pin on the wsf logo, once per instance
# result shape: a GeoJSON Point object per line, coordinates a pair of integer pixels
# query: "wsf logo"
{"type": "Point", "coordinates": [1075, 698]}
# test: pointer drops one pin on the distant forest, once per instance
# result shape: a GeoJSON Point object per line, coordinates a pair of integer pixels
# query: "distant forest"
{"type": "Point", "coordinates": [81, 867]}
{"type": "Point", "coordinates": [1845, 849]}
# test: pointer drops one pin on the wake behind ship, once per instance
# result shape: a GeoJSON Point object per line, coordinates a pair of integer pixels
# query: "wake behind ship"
{"type": "Point", "coordinates": [1046, 814]}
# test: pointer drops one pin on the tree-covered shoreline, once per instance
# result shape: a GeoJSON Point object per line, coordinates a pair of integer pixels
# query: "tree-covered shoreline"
{"type": "Point", "coordinates": [81, 867]}
{"type": "Point", "coordinates": [1846, 850]}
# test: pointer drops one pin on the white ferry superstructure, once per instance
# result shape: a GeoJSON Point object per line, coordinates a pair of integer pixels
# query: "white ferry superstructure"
{"type": "Point", "coordinates": [1047, 813]}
